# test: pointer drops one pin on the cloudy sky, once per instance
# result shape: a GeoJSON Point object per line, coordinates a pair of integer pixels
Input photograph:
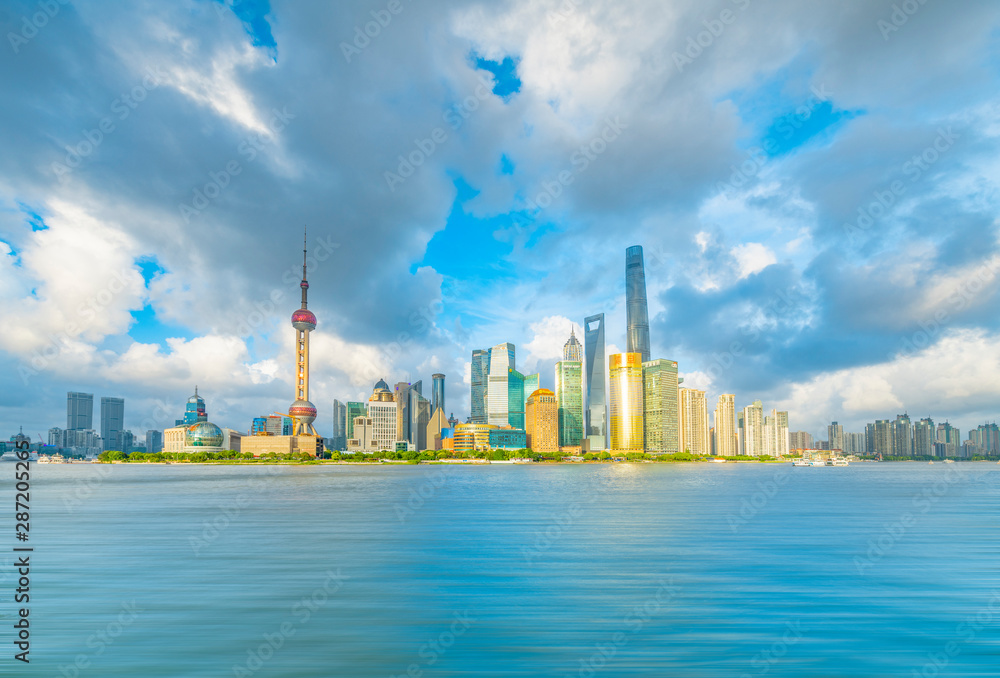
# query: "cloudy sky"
{"type": "Point", "coordinates": [815, 185]}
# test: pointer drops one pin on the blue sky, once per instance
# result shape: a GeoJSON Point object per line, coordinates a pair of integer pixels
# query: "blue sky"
{"type": "Point", "coordinates": [817, 201]}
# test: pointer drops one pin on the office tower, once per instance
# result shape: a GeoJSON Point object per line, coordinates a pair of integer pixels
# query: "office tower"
{"type": "Point", "coordinates": [275, 425]}
{"type": "Point", "coordinates": [902, 436]}
{"type": "Point", "coordinates": [661, 432]}
{"type": "Point", "coordinates": [126, 441]}
{"type": "Point", "coordinates": [635, 299]}
{"type": "Point", "coordinates": [420, 416]}
{"type": "Point", "coordinates": [923, 438]}
{"type": "Point", "coordinates": [800, 440]}
{"type": "Point", "coordinates": [542, 422]}
{"type": "Point", "coordinates": [948, 439]}
{"type": "Point", "coordinates": [57, 437]}
{"type": "Point", "coordinates": [625, 371]}
{"type": "Point", "coordinates": [753, 429]}
{"type": "Point", "coordinates": [356, 409]}
{"type": "Point", "coordinates": [569, 396]}
{"type": "Point", "coordinates": [437, 392]}
{"type": "Point", "coordinates": [480, 377]}
{"type": "Point", "coordinates": [532, 382]}
{"type": "Point", "coordinates": [194, 410]}
{"type": "Point", "coordinates": [835, 434]}
{"type": "Point", "coordinates": [693, 409]}
{"type": "Point", "coordinates": [302, 411]}
{"type": "Point", "coordinates": [516, 402]}
{"type": "Point", "coordinates": [498, 387]}
{"type": "Point", "coordinates": [597, 408]}
{"type": "Point", "coordinates": [79, 411]}
{"type": "Point", "coordinates": [725, 426]}
{"type": "Point", "coordinates": [154, 441]}
{"type": "Point", "coordinates": [435, 426]}
{"type": "Point", "coordinates": [383, 414]}
{"type": "Point", "coordinates": [112, 422]}
{"type": "Point", "coordinates": [870, 438]}
{"type": "Point", "coordinates": [572, 349]}
{"type": "Point", "coordinates": [338, 440]}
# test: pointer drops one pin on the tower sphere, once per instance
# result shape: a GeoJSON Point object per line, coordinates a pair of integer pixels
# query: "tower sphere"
{"type": "Point", "coordinates": [303, 410]}
{"type": "Point", "coordinates": [304, 319]}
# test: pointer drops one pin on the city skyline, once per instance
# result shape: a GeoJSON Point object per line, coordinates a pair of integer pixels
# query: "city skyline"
{"type": "Point", "coordinates": [823, 241]}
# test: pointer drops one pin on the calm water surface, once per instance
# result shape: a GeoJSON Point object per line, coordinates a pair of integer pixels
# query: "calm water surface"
{"type": "Point", "coordinates": [695, 570]}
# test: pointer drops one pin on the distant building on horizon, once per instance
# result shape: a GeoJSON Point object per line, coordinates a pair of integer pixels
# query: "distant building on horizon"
{"type": "Point", "coordinates": [569, 395]}
{"type": "Point", "coordinates": [498, 398]}
{"type": "Point", "coordinates": [112, 422]}
{"type": "Point", "coordinates": [79, 411]}
{"type": "Point", "coordinates": [625, 379]}
{"type": "Point", "coordinates": [480, 377]}
{"type": "Point", "coordinates": [437, 392]}
{"type": "Point", "coordinates": [800, 440]}
{"type": "Point", "coordinates": [338, 440]}
{"type": "Point", "coordinates": [753, 430]}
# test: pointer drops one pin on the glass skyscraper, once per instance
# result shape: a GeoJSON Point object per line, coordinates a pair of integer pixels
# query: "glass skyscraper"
{"type": "Point", "coordinates": [480, 380]}
{"type": "Point", "coordinates": [635, 300]}
{"type": "Point", "coordinates": [515, 398]}
{"type": "Point", "coordinates": [532, 382]}
{"type": "Point", "coordinates": [437, 392]}
{"type": "Point", "coordinates": [79, 411]}
{"type": "Point", "coordinates": [597, 408]}
{"type": "Point", "coordinates": [569, 396]}
{"type": "Point", "coordinates": [626, 401]}
{"type": "Point", "coordinates": [498, 400]}
{"type": "Point", "coordinates": [354, 409]}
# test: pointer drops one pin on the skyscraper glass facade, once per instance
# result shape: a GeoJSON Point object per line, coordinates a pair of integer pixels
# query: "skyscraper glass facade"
{"type": "Point", "coordinates": [659, 380]}
{"type": "Point", "coordinates": [79, 411]}
{"type": "Point", "coordinates": [569, 396]}
{"type": "Point", "coordinates": [626, 401]}
{"type": "Point", "coordinates": [480, 378]}
{"type": "Point", "coordinates": [596, 376]}
{"type": "Point", "coordinates": [635, 300]}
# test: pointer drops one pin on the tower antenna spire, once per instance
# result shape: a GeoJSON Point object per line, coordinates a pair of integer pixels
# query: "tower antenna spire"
{"type": "Point", "coordinates": [305, 283]}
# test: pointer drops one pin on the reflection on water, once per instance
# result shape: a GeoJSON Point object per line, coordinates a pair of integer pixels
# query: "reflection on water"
{"type": "Point", "coordinates": [612, 570]}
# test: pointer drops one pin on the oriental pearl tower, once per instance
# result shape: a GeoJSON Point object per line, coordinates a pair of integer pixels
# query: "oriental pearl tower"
{"type": "Point", "coordinates": [304, 322]}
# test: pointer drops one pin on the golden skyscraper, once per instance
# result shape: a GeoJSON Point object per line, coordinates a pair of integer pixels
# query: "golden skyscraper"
{"type": "Point", "coordinates": [626, 401]}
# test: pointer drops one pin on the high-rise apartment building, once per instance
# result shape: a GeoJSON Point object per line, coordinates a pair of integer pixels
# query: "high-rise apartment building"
{"type": "Point", "coordinates": [480, 378]}
{"type": "Point", "coordinates": [883, 437]}
{"type": "Point", "coordinates": [79, 411]}
{"type": "Point", "coordinates": [924, 438]}
{"type": "Point", "coordinates": [776, 434]}
{"type": "Point", "coordinates": [902, 436]}
{"type": "Point", "coordinates": [800, 440]}
{"type": "Point", "coordinates": [661, 432]}
{"type": "Point", "coordinates": [112, 422]}
{"type": "Point", "coordinates": [569, 396]}
{"type": "Point", "coordinates": [694, 422]}
{"type": "Point", "coordinates": [835, 434]}
{"type": "Point", "coordinates": [627, 428]}
{"type": "Point", "coordinates": [949, 440]}
{"type": "Point", "coordinates": [596, 414]}
{"type": "Point", "coordinates": [725, 426]}
{"type": "Point", "coordinates": [542, 422]}
{"type": "Point", "coordinates": [753, 429]}
{"type": "Point", "coordinates": [635, 300]}
{"type": "Point", "coordinates": [498, 387]}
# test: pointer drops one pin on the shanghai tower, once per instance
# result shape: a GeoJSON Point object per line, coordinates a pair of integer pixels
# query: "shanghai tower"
{"type": "Point", "coordinates": [635, 300]}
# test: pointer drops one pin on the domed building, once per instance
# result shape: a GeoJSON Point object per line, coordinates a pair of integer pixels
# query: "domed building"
{"type": "Point", "coordinates": [195, 433]}
{"type": "Point", "coordinates": [203, 437]}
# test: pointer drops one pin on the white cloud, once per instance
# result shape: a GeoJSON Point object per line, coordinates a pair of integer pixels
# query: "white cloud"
{"type": "Point", "coordinates": [752, 258]}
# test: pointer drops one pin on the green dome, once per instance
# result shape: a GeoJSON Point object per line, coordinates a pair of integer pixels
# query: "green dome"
{"type": "Point", "coordinates": [203, 434]}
